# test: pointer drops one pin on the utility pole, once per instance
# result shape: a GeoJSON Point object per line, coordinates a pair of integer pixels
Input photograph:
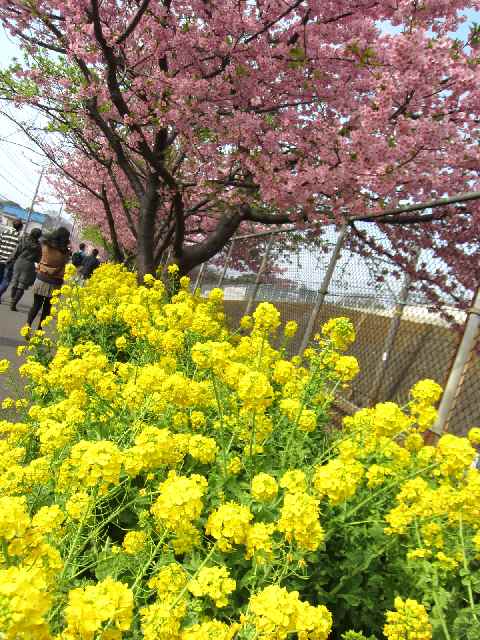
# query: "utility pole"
{"type": "Point", "coordinates": [60, 211]}
{"type": "Point", "coordinates": [30, 211]}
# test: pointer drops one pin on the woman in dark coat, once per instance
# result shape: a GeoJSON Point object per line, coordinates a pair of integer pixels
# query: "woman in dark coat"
{"type": "Point", "coordinates": [51, 270]}
{"type": "Point", "coordinates": [28, 253]}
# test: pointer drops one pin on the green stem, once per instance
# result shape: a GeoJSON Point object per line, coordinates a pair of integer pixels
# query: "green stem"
{"type": "Point", "coordinates": [252, 437]}
{"type": "Point", "coordinates": [442, 619]}
{"type": "Point", "coordinates": [205, 560]}
{"type": "Point", "coordinates": [387, 487]}
{"type": "Point", "coordinates": [5, 551]}
{"type": "Point", "coordinates": [222, 428]}
{"type": "Point", "coordinates": [434, 585]}
{"type": "Point", "coordinates": [467, 572]}
{"type": "Point", "coordinates": [74, 542]}
{"type": "Point", "coordinates": [295, 426]}
{"type": "Point", "coordinates": [149, 561]}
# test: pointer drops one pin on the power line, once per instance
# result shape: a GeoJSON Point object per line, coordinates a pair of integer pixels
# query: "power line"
{"type": "Point", "coordinates": [18, 144]}
{"type": "Point", "coordinates": [25, 195]}
{"type": "Point", "coordinates": [20, 169]}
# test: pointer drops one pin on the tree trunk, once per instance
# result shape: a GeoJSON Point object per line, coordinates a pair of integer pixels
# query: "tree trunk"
{"type": "Point", "coordinates": [146, 230]}
{"type": "Point", "coordinates": [194, 256]}
{"type": "Point", "coordinates": [117, 252]}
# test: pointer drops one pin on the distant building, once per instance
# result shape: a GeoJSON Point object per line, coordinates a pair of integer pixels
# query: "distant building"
{"type": "Point", "coordinates": [10, 211]}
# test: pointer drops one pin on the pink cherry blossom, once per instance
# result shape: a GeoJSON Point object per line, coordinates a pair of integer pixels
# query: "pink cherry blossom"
{"type": "Point", "coordinates": [190, 121]}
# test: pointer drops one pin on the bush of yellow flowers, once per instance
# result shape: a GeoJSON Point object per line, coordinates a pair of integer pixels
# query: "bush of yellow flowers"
{"type": "Point", "coordinates": [166, 478]}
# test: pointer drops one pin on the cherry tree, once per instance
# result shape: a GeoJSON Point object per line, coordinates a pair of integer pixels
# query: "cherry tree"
{"type": "Point", "coordinates": [189, 121]}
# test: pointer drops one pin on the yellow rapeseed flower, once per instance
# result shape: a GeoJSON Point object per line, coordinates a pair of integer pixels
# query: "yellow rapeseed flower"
{"type": "Point", "coordinates": [264, 487]}
{"type": "Point", "coordinates": [409, 621]}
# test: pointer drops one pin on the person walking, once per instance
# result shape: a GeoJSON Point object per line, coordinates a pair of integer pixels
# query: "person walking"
{"type": "Point", "coordinates": [28, 254]}
{"type": "Point", "coordinates": [79, 255]}
{"type": "Point", "coordinates": [77, 260]}
{"type": "Point", "coordinates": [89, 264]}
{"type": "Point", "coordinates": [9, 239]}
{"type": "Point", "coordinates": [51, 270]}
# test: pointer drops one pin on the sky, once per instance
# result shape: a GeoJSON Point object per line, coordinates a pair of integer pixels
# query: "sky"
{"type": "Point", "coordinates": [20, 167]}
{"type": "Point", "coordinates": [20, 162]}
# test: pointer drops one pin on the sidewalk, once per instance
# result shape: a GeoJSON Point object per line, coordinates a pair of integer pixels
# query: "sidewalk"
{"type": "Point", "coordinates": [10, 339]}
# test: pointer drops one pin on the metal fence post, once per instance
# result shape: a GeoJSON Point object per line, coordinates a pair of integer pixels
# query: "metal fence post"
{"type": "Point", "coordinates": [200, 275]}
{"type": "Point", "coordinates": [456, 377]}
{"type": "Point", "coordinates": [324, 287]}
{"type": "Point", "coordinates": [168, 255]}
{"type": "Point", "coordinates": [392, 335]}
{"type": "Point", "coordinates": [261, 271]}
{"type": "Point", "coordinates": [227, 260]}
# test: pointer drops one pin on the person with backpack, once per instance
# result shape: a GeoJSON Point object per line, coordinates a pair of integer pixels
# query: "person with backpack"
{"type": "Point", "coordinates": [50, 274]}
{"type": "Point", "coordinates": [28, 254]}
{"type": "Point", "coordinates": [89, 264]}
{"type": "Point", "coordinates": [79, 255]}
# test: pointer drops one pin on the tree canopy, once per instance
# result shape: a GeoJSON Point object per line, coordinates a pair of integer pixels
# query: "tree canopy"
{"type": "Point", "coordinates": [187, 121]}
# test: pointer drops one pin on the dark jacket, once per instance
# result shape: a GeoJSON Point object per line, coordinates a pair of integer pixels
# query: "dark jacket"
{"type": "Point", "coordinates": [89, 264]}
{"type": "Point", "coordinates": [29, 250]}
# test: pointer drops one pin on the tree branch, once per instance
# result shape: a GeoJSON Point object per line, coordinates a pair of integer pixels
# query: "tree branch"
{"type": "Point", "coordinates": [126, 211]}
{"type": "Point", "coordinates": [41, 44]}
{"type": "Point", "coordinates": [226, 227]}
{"type": "Point", "coordinates": [266, 218]}
{"type": "Point", "coordinates": [134, 22]}
{"type": "Point", "coordinates": [116, 145]}
{"type": "Point", "coordinates": [270, 24]}
{"type": "Point", "coordinates": [419, 219]}
{"type": "Point", "coordinates": [178, 210]}
{"type": "Point", "coordinates": [363, 237]}
{"type": "Point", "coordinates": [112, 81]}
{"type": "Point", "coordinates": [430, 204]}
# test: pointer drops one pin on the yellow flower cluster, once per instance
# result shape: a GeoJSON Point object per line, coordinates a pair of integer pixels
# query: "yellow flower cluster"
{"type": "Point", "coordinates": [277, 613]}
{"type": "Point", "coordinates": [264, 487]}
{"type": "Point", "coordinates": [214, 582]}
{"type": "Point", "coordinates": [167, 479]}
{"type": "Point", "coordinates": [91, 464]}
{"type": "Point", "coordinates": [178, 506]}
{"type": "Point", "coordinates": [409, 621]}
{"type": "Point", "coordinates": [169, 580]}
{"type": "Point", "coordinates": [340, 332]}
{"type": "Point", "coordinates": [107, 605]}
{"type": "Point", "coordinates": [299, 521]}
{"type": "Point", "coordinates": [211, 630]}
{"type": "Point", "coordinates": [24, 603]}
{"type": "Point", "coordinates": [338, 479]}
{"type": "Point", "coordinates": [134, 541]}
{"type": "Point", "coordinates": [229, 525]}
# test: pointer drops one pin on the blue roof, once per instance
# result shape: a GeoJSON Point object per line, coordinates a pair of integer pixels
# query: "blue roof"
{"type": "Point", "coordinates": [16, 210]}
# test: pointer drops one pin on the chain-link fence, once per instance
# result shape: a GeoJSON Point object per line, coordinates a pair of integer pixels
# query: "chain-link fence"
{"type": "Point", "coordinates": [400, 337]}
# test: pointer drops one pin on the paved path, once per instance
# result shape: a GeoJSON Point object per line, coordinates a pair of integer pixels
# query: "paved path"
{"type": "Point", "coordinates": [10, 339]}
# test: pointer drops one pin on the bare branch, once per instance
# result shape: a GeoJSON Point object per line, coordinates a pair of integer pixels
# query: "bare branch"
{"type": "Point", "coordinates": [419, 219]}
{"type": "Point", "coordinates": [39, 43]}
{"type": "Point", "coordinates": [430, 204]}
{"type": "Point", "coordinates": [134, 22]}
{"type": "Point", "coordinates": [272, 23]}
{"type": "Point", "coordinates": [266, 218]}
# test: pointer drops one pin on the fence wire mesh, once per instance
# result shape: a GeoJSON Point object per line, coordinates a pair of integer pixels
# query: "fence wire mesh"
{"type": "Point", "coordinates": [400, 337]}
